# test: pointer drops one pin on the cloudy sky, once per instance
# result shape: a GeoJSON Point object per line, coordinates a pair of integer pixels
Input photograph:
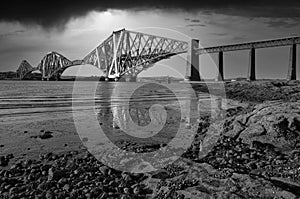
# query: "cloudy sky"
{"type": "Point", "coordinates": [29, 30]}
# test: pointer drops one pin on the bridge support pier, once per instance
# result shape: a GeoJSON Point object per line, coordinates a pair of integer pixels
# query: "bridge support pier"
{"type": "Point", "coordinates": [251, 69]}
{"type": "Point", "coordinates": [220, 76]}
{"type": "Point", "coordinates": [292, 63]}
{"type": "Point", "coordinates": [193, 70]}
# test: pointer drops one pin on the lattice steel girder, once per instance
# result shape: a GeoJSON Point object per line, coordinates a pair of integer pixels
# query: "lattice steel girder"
{"type": "Point", "coordinates": [24, 69]}
{"type": "Point", "coordinates": [52, 63]}
{"type": "Point", "coordinates": [250, 45]}
{"type": "Point", "coordinates": [125, 51]}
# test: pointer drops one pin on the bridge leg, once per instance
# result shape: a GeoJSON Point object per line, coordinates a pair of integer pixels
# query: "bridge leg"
{"type": "Point", "coordinates": [251, 75]}
{"type": "Point", "coordinates": [168, 80]}
{"type": "Point", "coordinates": [193, 71]}
{"type": "Point", "coordinates": [293, 63]}
{"type": "Point", "coordinates": [220, 67]}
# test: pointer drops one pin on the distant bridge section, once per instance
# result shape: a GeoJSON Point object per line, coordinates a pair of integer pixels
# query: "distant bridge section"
{"type": "Point", "coordinates": [24, 69]}
{"type": "Point", "coordinates": [127, 53]}
{"type": "Point", "coordinates": [53, 65]}
{"type": "Point", "coordinates": [252, 46]}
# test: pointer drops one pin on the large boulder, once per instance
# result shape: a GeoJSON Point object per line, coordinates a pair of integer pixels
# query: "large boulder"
{"type": "Point", "coordinates": [273, 123]}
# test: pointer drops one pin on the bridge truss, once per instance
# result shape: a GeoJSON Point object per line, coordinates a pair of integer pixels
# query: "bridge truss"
{"type": "Point", "coordinates": [52, 64]}
{"type": "Point", "coordinates": [24, 69]}
{"type": "Point", "coordinates": [127, 53]}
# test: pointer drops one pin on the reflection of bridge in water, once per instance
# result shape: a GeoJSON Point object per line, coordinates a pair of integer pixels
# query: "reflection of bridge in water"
{"type": "Point", "coordinates": [150, 109]}
{"type": "Point", "coordinates": [127, 53]}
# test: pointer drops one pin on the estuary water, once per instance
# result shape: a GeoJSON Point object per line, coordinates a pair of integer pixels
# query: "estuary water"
{"type": "Point", "coordinates": [26, 101]}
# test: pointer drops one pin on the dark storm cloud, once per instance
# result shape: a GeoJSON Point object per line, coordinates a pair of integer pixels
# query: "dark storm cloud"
{"type": "Point", "coordinates": [57, 13]}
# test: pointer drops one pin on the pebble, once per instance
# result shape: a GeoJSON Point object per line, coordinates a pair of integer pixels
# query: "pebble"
{"type": "Point", "coordinates": [126, 190]}
{"type": "Point", "coordinates": [49, 195]}
{"type": "Point", "coordinates": [46, 135]}
{"type": "Point", "coordinates": [73, 175]}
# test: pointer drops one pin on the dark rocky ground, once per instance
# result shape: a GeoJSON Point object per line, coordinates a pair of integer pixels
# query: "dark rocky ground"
{"type": "Point", "coordinates": [257, 91]}
{"type": "Point", "coordinates": [246, 152]}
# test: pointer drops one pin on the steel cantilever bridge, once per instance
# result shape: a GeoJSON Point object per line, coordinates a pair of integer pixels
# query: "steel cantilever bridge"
{"type": "Point", "coordinates": [127, 53]}
{"type": "Point", "coordinates": [123, 54]}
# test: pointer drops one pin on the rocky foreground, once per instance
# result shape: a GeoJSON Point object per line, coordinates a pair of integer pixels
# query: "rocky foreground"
{"type": "Point", "coordinates": [249, 151]}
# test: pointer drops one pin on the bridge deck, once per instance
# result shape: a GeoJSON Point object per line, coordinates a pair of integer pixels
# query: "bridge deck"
{"type": "Point", "coordinates": [250, 45]}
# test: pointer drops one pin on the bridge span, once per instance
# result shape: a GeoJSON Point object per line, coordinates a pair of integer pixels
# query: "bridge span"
{"type": "Point", "coordinates": [127, 53]}
{"type": "Point", "coordinates": [123, 54]}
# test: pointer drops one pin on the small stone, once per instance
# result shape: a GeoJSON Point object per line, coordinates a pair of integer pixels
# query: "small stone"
{"type": "Point", "coordinates": [54, 175]}
{"type": "Point", "coordinates": [7, 187]}
{"type": "Point", "coordinates": [3, 161]}
{"type": "Point", "coordinates": [80, 184]}
{"type": "Point", "coordinates": [46, 135]}
{"type": "Point", "coordinates": [66, 187]}
{"type": "Point", "coordinates": [49, 195]}
{"type": "Point", "coordinates": [245, 156]}
{"type": "Point", "coordinates": [126, 190]}
{"type": "Point", "coordinates": [62, 181]}
{"type": "Point", "coordinates": [27, 162]}
{"type": "Point", "coordinates": [136, 190]}
{"type": "Point", "coordinates": [160, 174]}
{"type": "Point", "coordinates": [10, 156]}
{"type": "Point", "coordinates": [115, 126]}
{"type": "Point", "coordinates": [124, 197]}
{"type": "Point", "coordinates": [104, 195]}
{"type": "Point", "coordinates": [104, 170]}
{"type": "Point", "coordinates": [76, 172]}
{"type": "Point", "coordinates": [188, 126]}
{"type": "Point", "coordinates": [12, 190]}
